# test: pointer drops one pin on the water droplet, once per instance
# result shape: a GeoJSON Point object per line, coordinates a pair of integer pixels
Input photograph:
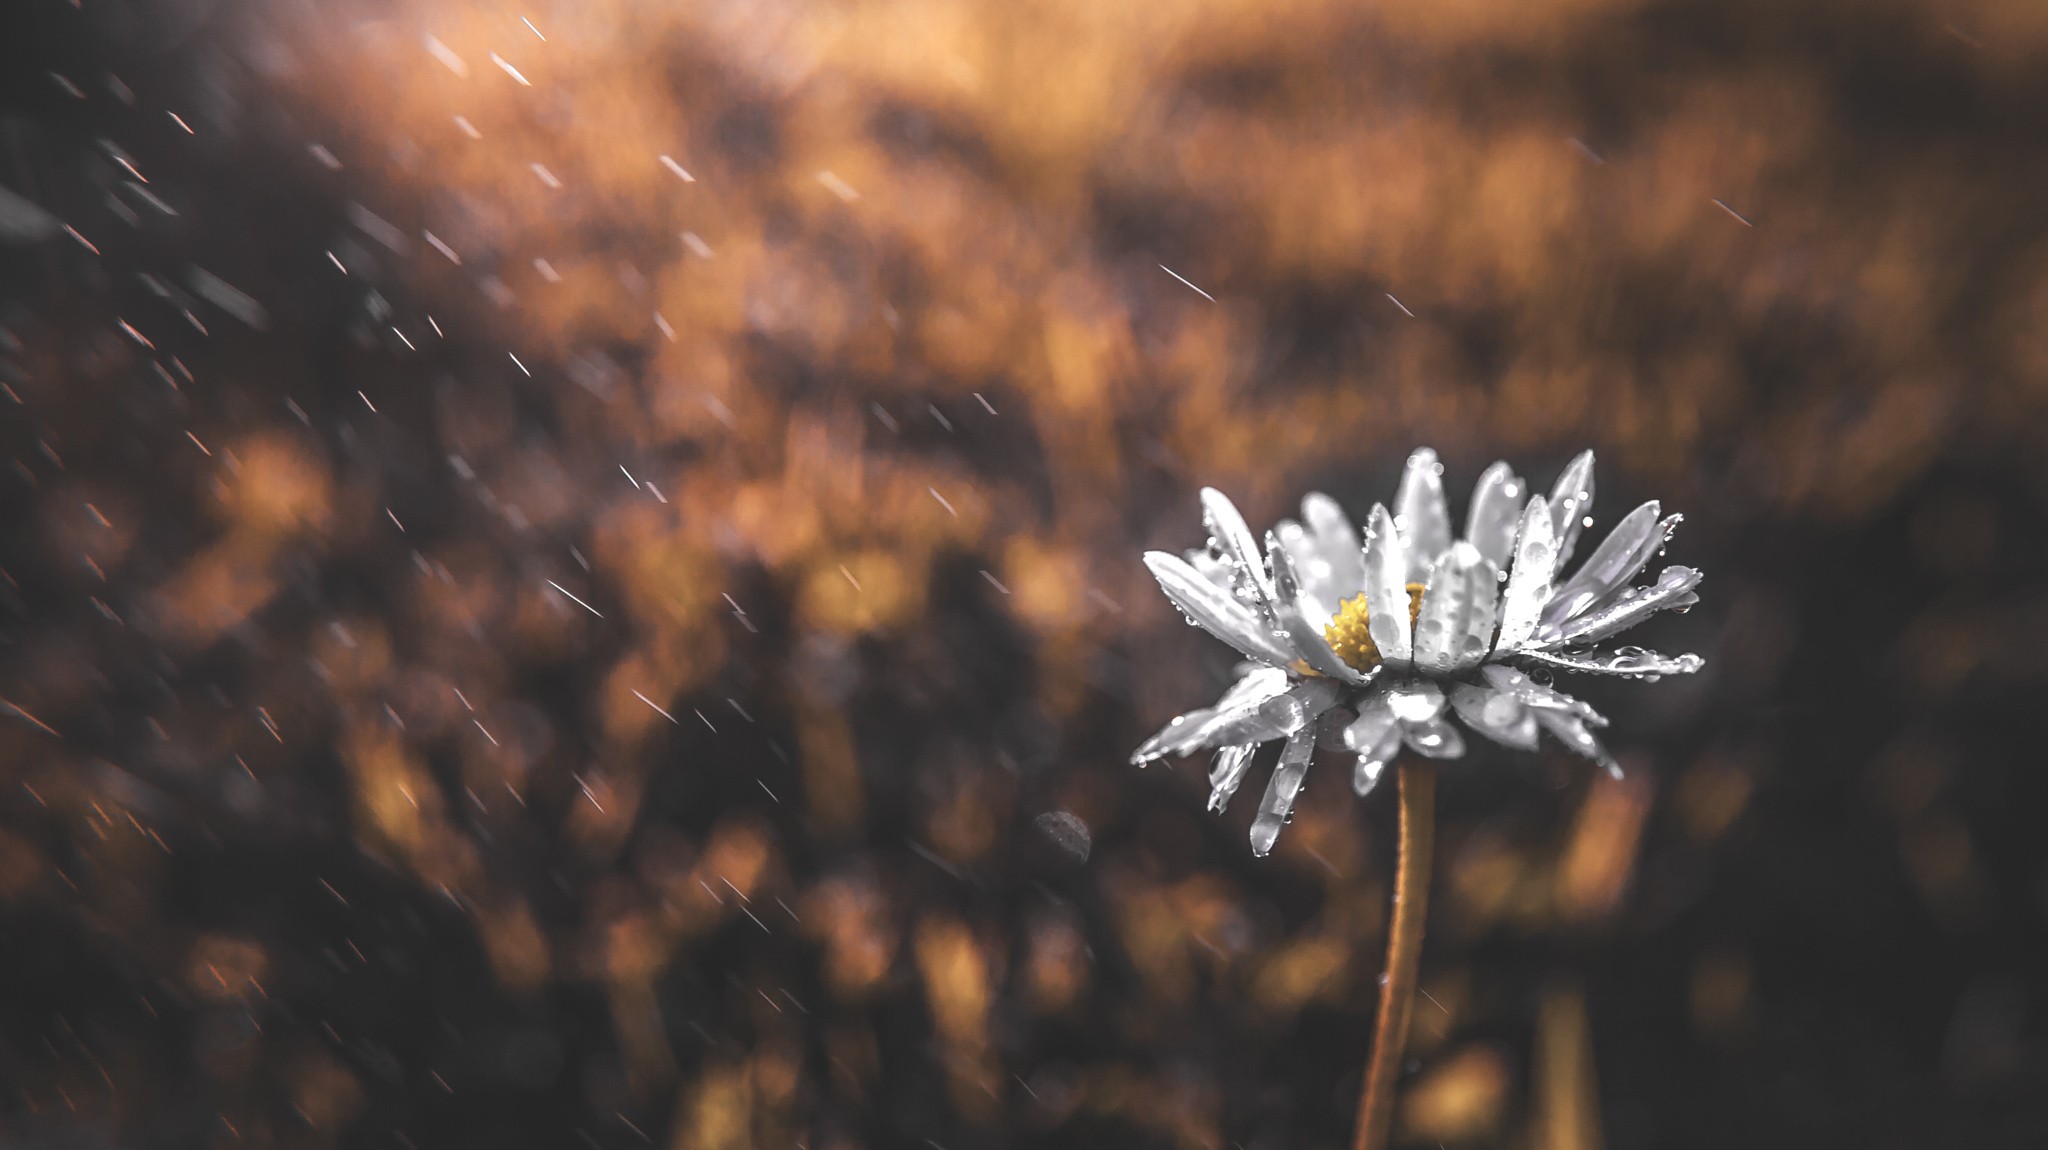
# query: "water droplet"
{"type": "Point", "coordinates": [1066, 831]}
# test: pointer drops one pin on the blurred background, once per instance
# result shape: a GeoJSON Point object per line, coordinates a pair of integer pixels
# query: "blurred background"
{"type": "Point", "coordinates": [569, 573]}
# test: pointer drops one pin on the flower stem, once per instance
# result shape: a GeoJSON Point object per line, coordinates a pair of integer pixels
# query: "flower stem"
{"type": "Point", "coordinates": [1404, 952]}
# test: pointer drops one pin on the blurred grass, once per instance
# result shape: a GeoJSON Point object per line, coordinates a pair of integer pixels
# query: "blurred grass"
{"type": "Point", "coordinates": [330, 818]}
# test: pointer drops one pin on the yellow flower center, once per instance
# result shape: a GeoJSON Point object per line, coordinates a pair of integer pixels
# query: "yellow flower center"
{"type": "Point", "coordinates": [1350, 634]}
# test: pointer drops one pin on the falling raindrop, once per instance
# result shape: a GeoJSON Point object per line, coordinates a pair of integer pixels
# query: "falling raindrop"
{"type": "Point", "coordinates": [1067, 832]}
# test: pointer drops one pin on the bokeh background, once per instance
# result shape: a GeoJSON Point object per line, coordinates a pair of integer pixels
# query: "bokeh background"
{"type": "Point", "coordinates": [570, 572]}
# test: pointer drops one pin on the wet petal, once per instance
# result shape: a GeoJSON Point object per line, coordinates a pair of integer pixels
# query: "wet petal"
{"type": "Point", "coordinates": [1275, 717]}
{"type": "Point", "coordinates": [1386, 583]}
{"type": "Point", "coordinates": [1496, 715]}
{"type": "Point", "coordinates": [1256, 703]}
{"type": "Point", "coordinates": [1455, 629]}
{"type": "Point", "coordinates": [1305, 637]}
{"type": "Point", "coordinates": [1375, 735]}
{"type": "Point", "coordinates": [1529, 579]}
{"type": "Point", "coordinates": [1530, 693]}
{"type": "Point", "coordinates": [1215, 610]}
{"type": "Point", "coordinates": [1216, 570]}
{"type": "Point", "coordinates": [1373, 758]}
{"type": "Point", "coordinates": [1255, 683]}
{"type": "Point", "coordinates": [1369, 768]}
{"type": "Point", "coordinates": [1338, 541]}
{"type": "Point", "coordinates": [1281, 790]}
{"type": "Point", "coordinates": [1239, 546]}
{"type": "Point", "coordinates": [1435, 739]}
{"type": "Point", "coordinates": [1673, 591]}
{"type": "Point", "coordinates": [1611, 565]}
{"type": "Point", "coordinates": [1573, 733]}
{"type": "Point", "coordinates": [1634, 662]}
{"type": "Point", "coordinates": [1177, 732]}
{"type": "Point", "coordinates": [1227, 772]}
{"type": "Point", "coordinates": [1375, 725]}
{"type": "Point", "coordinates": [1635, 562]}
{"type": "Point", "coordinates": [1490, 521]}
{"type": "Point", "coordinates": [1315, 593]}
{"type": "Point", "coordinates": [1421, 515]}
{"type": "Point", "coordinates": [1571, 504]}
{"type": "Point", "coordinates": [1415, 700]}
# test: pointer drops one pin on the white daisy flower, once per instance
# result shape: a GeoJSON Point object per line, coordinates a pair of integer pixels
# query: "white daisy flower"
{"type": "Point", "coordinates": [1331, 664]}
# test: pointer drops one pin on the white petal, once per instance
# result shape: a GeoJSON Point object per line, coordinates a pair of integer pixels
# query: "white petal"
{"type": "Point", "coordinates": [1315, 593]}
{"type": "Point", "coordinates": [1630, 545]}
{"type": "Point", "coordinates": [1415, 700]}
{"type": "Point", "coordinates": [1635, 561]}
{"type": "Point", "coordinates": [1386, 587]}
{"type": "Point", "coordinates": [1375, 724]}
{"type": "Point", "coordinates": [1256, 683]}
{"type": "Point", "coordinates": [1214, 609]}
{"type": "Point", "coordinates": [1490, 521]}
{"type": "Point", "coordinates": [1305, 637]}
{"type": "Point", "coordinates": [1228, 529]}
{"type": "Point", "coordinates": [1281, 790]}
{"type": "Point", "coordinates": [1227, 772]}
{"type": "Point", "coordinates": [1281, 715]}
{"type": "Point", "coordinates": [1528, 692]}
{"type": "Point", "coordinates": [1435, 739]}
{"type": "Point", "coordinates": [1633, 662]}
{"type": "Point", "coordinates": [1421, 515]}
{"type": "Point", "coordinates": [1571, 503]}
{"type": "Point", "coordinates": [1367, 769]}
{"type": "Point", "coordinates": [1672, 592]}
{"type": "Point", "coordinates": [1529, 578]}
{"type": "Point", "coordinates": [1373, 758]}
{"type": "Point", "coordinates": [1455, 629]}
{"type": "Point", "coordinates": [1177, 732]}
{"type": "Point", "coordinates": [1212, 568]}
{"type": "Point", "coordinates": [1573, 733]}
{"type": "Point", "coordinates": [1496, 715]}
{"type": "Point", "coordinates": [1338, 540]}
{"type": "Point", "coordinates": [1257, 707]}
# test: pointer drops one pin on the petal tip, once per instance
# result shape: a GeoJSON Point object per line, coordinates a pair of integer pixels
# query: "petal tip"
{"type": "Point", "coordinates": [1263, 836]}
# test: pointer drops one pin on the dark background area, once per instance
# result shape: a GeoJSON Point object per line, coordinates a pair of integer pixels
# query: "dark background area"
{"type": "Point", "coordinates": [329, 817]}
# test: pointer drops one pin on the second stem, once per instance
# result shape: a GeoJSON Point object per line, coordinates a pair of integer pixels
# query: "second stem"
{"type": "Point", "coordinates": [1404, 952]}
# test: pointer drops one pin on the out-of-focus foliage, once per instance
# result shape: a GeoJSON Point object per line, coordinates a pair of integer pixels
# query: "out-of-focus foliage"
{"type": "Point", "coordinates": [556, 556]}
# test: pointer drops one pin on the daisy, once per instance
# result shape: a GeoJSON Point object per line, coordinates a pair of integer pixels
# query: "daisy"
{"type": "Point", "coordinates": [1379, 646]}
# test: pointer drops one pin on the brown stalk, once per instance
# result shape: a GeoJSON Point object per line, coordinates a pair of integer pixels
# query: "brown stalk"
{"type": "Point", "coordinates": [1417, 779]}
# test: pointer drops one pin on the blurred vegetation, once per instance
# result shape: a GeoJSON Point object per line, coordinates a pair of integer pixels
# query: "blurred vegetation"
{"type": "Point", "coordinates": [552, 558]}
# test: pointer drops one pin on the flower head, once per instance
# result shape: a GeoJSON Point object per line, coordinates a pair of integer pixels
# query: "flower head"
{"type": "Point", "coordinates": [1375, 646]}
